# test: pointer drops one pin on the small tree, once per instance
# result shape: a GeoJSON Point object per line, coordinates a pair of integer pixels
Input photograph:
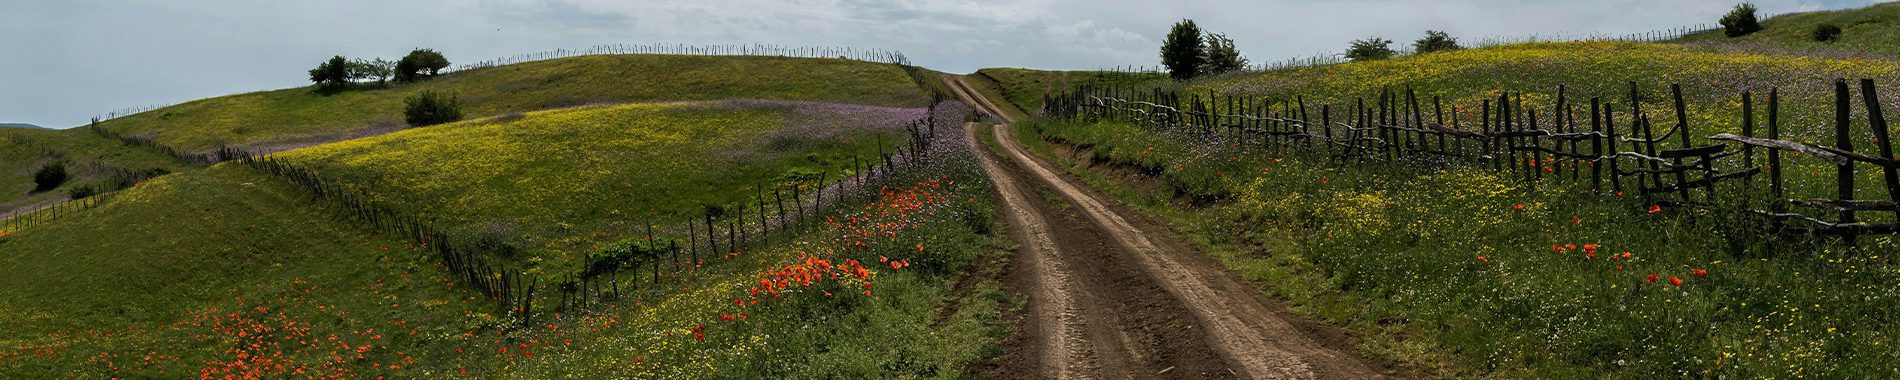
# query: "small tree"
{"type": "Point", "coordinates": [49, 177]}
{"type": "Point", "coordinates": [1435, 41]}
{"type": "Point", "coordinates": [1220, 54]}
{"type": "Point", "coordinates": [431, 108]}
{"type": "Point", "coordinates": [377, 70]}
{"type": "Point", "coordinates": [1827, 32]}
{"type": "Point", "coordinates": [420, 64]}
{"type": "Point", "coordinates": [1369, 49]}
{"type": "Point", "coordinates": [1181, 50]}
{"type": "Point", "coordinates": [1740, 21]}
{"type": "Point", "coordinates": [331, 74]}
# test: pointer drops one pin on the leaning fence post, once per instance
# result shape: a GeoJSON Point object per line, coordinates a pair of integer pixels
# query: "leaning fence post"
{"type": "Point", "coordinates": [1596, 145]}
{"type": "Point", "coordinates": [1876, 118]}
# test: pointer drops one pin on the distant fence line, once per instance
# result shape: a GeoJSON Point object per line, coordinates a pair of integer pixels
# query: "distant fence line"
{"type": "Point", "coordinates": [860, 54]}
{"type": "Point", "coordinates": [1630, 154]}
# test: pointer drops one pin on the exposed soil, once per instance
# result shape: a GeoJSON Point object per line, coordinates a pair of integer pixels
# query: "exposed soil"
{"type": "Point", "coordinates": [1110, 294]}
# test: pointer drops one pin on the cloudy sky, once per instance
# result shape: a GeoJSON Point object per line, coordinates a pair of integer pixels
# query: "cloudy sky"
{"type": "Point", "coordinates": [67, 60]}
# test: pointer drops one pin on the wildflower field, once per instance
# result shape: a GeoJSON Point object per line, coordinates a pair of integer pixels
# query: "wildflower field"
{"type": "Point", "coordinates": [300, 116]}
{"type": "Point", "coordinates": [1467, 273]}
{"type": "Point", "coordinates": [569, 181]}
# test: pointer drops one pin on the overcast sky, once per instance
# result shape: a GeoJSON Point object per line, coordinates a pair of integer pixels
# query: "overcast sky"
{"type": "Point", "coordinates": [66, 60]}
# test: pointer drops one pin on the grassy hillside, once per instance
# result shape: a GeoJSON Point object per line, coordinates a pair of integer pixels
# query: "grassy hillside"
{"type": "Point", "coordinates": [1872, 29]}
{"type": "Point", "coordinates": [1024, 88]}
{"type": "Point", "coordinates": [569, 178]}
{"type": "Point", "coordinates": [220, 270]}
{"type": "Point", "coordinates": [25, 151]}
{"type": "Point", "coordinates": [300, 116]}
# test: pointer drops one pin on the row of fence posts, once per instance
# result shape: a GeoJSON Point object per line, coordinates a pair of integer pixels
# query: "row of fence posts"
{"type": "Point", "coordinates": [1635, 155]}
{"type": "Point", "coordinates": [733, 223]}
{"type": "Point", "coordinates": [38, 217]}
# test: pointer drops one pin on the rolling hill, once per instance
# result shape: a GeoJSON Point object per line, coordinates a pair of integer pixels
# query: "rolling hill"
{"type": "Point", "coordinates": [1872, 31]}
{"type": "Point", "coordinates": [274, 120]}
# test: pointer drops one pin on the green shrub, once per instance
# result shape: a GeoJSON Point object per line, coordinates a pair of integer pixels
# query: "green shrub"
{"type": "Point", "coordinates": [1827, 32]}
{"type": "Point", "coordinates": [1740, 21]}
{"type": "Point", "coordinates": [1435, 41]}
{"type": "Point", "coordinates": [1181, 50]}
{"type": "Point", "coordinates": [81, 192]}
{"type": "Point", "coordinates": [49, 177]}
{"type": "Point", "coordinates": [1370, 49]}
{"type": "Point", "coordinates": [431, 108]}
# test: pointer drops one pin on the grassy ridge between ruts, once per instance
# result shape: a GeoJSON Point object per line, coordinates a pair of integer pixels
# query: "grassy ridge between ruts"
{"type": "Point", "coordinates": [1469, 274]}
{"type": "Point", "coordinates": [301, 116]}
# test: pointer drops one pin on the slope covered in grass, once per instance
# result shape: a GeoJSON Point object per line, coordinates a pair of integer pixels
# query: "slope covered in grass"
{"type": "Point", "coordinates": [88, 159]}
{"type": "Point", "coordinates": [300, 116]}
{"type": "Point", "coordinates": [560, 176]}
{"type": "Point", "coordinates": [1873, 29]}
{"type": "Point", "coordinates": [1024, 88]}
{"type": "Point", "coordinates": [221, 270]}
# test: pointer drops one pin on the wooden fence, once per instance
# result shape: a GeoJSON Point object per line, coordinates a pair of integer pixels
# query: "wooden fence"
{"type": "Point", "coordinates": [1619, 149]}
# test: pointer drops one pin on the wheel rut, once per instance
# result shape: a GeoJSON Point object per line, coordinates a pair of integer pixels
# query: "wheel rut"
{"type": "Point", "coordinates": [1111, 294]}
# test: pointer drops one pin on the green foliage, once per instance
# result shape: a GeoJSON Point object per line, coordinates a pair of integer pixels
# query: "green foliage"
{"type": "Point", "coordinates": [331, 75]}
{"type": "Point", "coordinates": [81, 192]}
{"type": "Point", "coordinates": [1448, 265]}
{"type": "Point", "coordinates": [1221, 55]}
{"type": "Point", "coordinates": [50, 176]}
{"type": "Point", "coordinates": [1435, 41]}
{"type": "Point", "coordinates": [431, 108]}
{"type": "Point", "coordinates": [1369, 49]}
{"type": "Point", "coordinates": [378, 70]}
{"type": "Point", "coordinates": [420, 64]}
{"type": "Point", "coordinates": [1827, 32]}
{"type": "Point", "coordinates": [621, 255]}
{"type": "Point", "coordinates": [1181, 50]}
{"type": "Point", "coordinates": [1740, 21]}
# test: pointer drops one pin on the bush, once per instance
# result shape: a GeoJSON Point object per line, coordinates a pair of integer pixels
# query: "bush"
{"type": "Point", "coordinates": [431, 108]}
{"type": "Point", "coordinates": [1435, 41]}
{"type": "Point", "coordinates": [1369, 49]}
{"type": "Point", "coordinates": [619, 256]}
{"type": "Point", "coordinates": [1827, 32]}
{"type": "Point", "coordinates": [1740, 21]}
{"type": "Point", "coordinates": [49, 177]}
{"type": "Point", "coordinates": [1219, 55]}
{"type": "Point", "coordinates": [81, 192]}
{"type": "Point", "coordinates": [331, 75]}
{"type": "Point", "coordinates": [420, 64]}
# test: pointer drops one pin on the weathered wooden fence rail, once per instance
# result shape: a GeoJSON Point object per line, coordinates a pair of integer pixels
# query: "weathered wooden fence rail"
{"type": "Point", "coordinates": [1612, 148]}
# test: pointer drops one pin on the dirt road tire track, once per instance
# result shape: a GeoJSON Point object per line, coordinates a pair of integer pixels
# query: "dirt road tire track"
{"type": "Point", "coordinates": [1250, 334]}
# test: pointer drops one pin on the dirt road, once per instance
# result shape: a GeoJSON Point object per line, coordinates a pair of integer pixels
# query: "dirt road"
{"type": "Point", "coordinates": [1113, 295]}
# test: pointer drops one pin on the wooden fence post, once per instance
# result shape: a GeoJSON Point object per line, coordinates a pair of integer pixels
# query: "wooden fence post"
{"type": "Point", "coordinates": [1876, 118]}
{"type": "Point", "coordinates": [1844, 172]}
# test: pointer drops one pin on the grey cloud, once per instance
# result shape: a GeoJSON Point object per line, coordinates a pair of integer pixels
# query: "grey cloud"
{"type": "Point", "coordinates": [68, 60]}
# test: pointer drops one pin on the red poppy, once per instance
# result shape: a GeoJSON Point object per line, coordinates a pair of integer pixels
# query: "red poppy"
{"type": "Point", "coordinates": [1626, 255]}
{"type": "Point", "coordinates": [1557, 248]}
{"type": "Point", "coordinates": [1655, 209]}
{"type": "Point", "coordinates": [1590, 248]}
{"type": "Point", "coordinates": [1570, 246]}
{"type": "Point", "coordinates": [1651, 279]}
{"type": "Point", "coordinates": [1619, 267]}
{"type": "Point", "coordinates": [1673, 280]}
{"type": "Point", "coordinates": [1519, 206]}
{"type": "Point", "coordinates": [1481, 259]}
{"type": "Point", "coordinates": [1700, 273]}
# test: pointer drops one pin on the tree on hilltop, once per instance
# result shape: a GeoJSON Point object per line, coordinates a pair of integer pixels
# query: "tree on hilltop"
{"type": "Point", "coordinates": [1181, 50]}
{"type": "Point", "coordinates": [1740, 21]}
{"type": "Point", "coordinates": [1220, 55]}
{"type": "Point", "coordinates": [332, 74]}
{"type": "Point", "coordinates": [1369, 49]}
{"type": "Point", "coordinates": [1435, 41]}
{"type": "Point", "coordinates": [420, 64]}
